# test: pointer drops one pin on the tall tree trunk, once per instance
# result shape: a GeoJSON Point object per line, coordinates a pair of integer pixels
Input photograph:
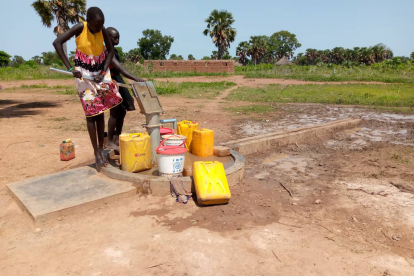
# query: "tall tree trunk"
{"type": "Point", "coordinates": [220, 51]}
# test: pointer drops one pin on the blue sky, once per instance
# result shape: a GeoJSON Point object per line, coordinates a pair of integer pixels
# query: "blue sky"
{"type": "Point", "coordinates": [320, 24]}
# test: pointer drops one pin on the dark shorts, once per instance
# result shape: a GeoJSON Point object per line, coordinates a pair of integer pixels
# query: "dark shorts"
{"type": "Point", "coordinates": [128, 100]}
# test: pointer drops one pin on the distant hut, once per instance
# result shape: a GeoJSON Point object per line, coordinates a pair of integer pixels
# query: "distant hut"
{"type": "Point", "coordinates": [283, 61]}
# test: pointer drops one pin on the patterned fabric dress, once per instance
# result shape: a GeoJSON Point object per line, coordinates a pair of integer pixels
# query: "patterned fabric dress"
{"type": "Point", "coordinates": [96, 98]}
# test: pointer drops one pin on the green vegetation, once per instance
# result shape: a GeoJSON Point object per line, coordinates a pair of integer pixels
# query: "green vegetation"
{"type": "Point", "coordinates": [192, 89]}
{"type": "Point", "coordinates": [62, 12]}
{"type": "Point", "coordinates": [220, 29]}
{"type": "Point", "coordinates": [261, 109]}
{"type": "Point", "coordinates": [383, 72]}
{"type": "Point", "coordinates": [59, 89]}
{"type": "Point", "coordinates": [394, 95]}
{"type": "Point", "coordinates": [154, 45]}
{"type": "Point", "coordinates": [26, 72]}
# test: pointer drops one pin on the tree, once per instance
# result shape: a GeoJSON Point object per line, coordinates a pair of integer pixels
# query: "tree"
{"type": "Point", "coordinates": [154, 45]}
{"type": "Point", "coordinates": [338, 55]}
{"type": "Point", "coordinates": [37, 59]}
{"type": "Point", "coordinates": [121, 53]}
{"type": "Point", "coordinates": [64, 12]}
{"type": "Point", "coordinates": [214, 55]}
{"type": "Point", "coordinates": [226, 55]}
{"type": "Point", "coordinates": [4, 59]}
{"type": "Point", "coordinates": [134, 55]}
{"type": "Point", "coordinates": [257, 49]}
{"type": "Point", "coordinates": [283, 44]}
{"type": "Point", "coordinates": [219, 28]}
{"type": "Point", "coordinates": [50, 58]}
{"type": "Point", "coordinates": [241, 52]}
{"type": "Point", "coordinates": [175, 57]}
{"type": "Point", "coordinates": [206, 58]}
{"type": "Point", "coordinates": [191, 57]}
{"type": "Point", "coordinates": [17, 61]}
{"type": "Point", "coordinates": [412, 55]}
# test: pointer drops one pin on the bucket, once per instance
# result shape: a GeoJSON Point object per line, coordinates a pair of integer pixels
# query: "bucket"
{"type": "Point", "coordinates": [171, 158]}
{"type": "Point", "coordinates": [174, 140]}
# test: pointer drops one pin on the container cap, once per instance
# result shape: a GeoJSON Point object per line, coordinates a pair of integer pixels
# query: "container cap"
{"type": "Point", "coordinates": [165, 130]}
{"type": "Point", "coordinates": [171, 150]}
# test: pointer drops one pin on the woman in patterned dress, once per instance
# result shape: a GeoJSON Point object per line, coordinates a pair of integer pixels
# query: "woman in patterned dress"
{"type": "Point", "coordinates": [91, 60]}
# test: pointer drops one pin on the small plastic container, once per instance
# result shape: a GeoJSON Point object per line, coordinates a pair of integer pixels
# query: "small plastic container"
{"type": "Point", "coordinates": [67, 150]}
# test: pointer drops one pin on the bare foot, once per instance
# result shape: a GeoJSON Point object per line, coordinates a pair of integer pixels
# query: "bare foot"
{"type": "Point", "coordinates": [116, 140]}
{"type": "Point", "coordinates": [99, 163]}
{"type": "Point", "coordinates": [112, 145]}
{"type": "Point", "coordinates": [105, 161]}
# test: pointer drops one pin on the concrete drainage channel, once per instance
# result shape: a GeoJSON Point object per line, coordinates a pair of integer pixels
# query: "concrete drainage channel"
{"type": "Point", "coordinates": [160, 185]}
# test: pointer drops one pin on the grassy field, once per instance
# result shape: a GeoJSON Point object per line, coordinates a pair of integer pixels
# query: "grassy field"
{"type": "Point", "coordinates": [331, 73]}
{"type": "Point", "coordinates": [193, 90]}
{"type": "Point", "coordinates": [393, 95]}
{"type": "Point", "coordinates": [403, 74]}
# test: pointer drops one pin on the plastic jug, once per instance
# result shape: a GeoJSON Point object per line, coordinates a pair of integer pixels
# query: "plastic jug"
{"type": "Point", "coordinates": [67, 150]}
{"type": "Point", "coordinates": [135, 152]}
{"type": "Point", "coordinates": [186, 128]}
{"type": "Point", "coordinates": [203, 142]}
{"type": "Point", "coordinates": [210, 182]}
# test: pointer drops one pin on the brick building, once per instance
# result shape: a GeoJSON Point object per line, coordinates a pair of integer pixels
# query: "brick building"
{"type": "Point", "coordinates": [204, 66]}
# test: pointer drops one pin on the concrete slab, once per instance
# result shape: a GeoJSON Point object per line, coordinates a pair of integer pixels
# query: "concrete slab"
{"type": "Point", "coordinates": [69, 192]}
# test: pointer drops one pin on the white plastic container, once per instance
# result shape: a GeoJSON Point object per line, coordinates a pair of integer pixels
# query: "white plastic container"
{"type": "Point", "coordinates": [174, 140]}
{"type": "Point", "coordinates": [171, 158]}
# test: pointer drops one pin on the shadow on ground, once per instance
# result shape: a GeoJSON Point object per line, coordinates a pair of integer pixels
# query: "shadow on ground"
{"type": "Point", "coordinates": [23, 109]}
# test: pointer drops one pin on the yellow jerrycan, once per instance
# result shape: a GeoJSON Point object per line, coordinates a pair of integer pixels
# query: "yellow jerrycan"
{"type": "Point", "coordinates": [203, 142]}
{"type": "Point", "coordinates": [135, 152]}
{"type": "Point", "coordinates": [210, 183]}
{"type": "Point", "coordinates": [186, 128]}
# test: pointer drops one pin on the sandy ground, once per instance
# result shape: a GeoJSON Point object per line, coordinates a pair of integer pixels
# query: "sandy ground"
{"type": "Point", "coordinates": [350, 213]}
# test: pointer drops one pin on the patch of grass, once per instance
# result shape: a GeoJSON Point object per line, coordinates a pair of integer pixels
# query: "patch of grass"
{"type": "Point", "coordinates": [400, 159]}
{"type": "Point", "coordinates": [205, 90]}
{"type": "Point", "coordinates": [261, 109]}
{"type": "Point", "coordinates": [393, 95]}
{"type": "Point", "coordinates": [29, 73]}
{"type": "Point", "coordinates": [67, 91]}
{"type": "Point", "coordinates": [59, 119]}
{"type": "Point", "coordinates": [39, 86]}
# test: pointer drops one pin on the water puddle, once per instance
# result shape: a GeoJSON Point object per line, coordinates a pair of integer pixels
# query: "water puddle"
{"type": "Point", "coordinates": [286, 162]}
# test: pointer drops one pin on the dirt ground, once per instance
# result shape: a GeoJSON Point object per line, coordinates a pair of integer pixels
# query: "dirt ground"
{"type": "Point", "coordinates": [350, 212]}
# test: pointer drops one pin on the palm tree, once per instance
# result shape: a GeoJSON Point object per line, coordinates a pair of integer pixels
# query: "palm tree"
{"type": "Point", "coordinates": [312, 55]}
{"type": "Point", "coordinates": [257, 49]}
{"type": "Point", "coordinates": [63, 11]}
{"type": "Point", "coordinates": [220, 30]}
{"type": "Point", "coordinates": [241, 51]}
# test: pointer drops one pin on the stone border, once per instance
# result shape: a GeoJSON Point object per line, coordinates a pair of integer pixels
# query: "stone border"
{"type": "Point", "coordinates": [160, 185]}
{"type": "Point", "coordinates": [264, 142]}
